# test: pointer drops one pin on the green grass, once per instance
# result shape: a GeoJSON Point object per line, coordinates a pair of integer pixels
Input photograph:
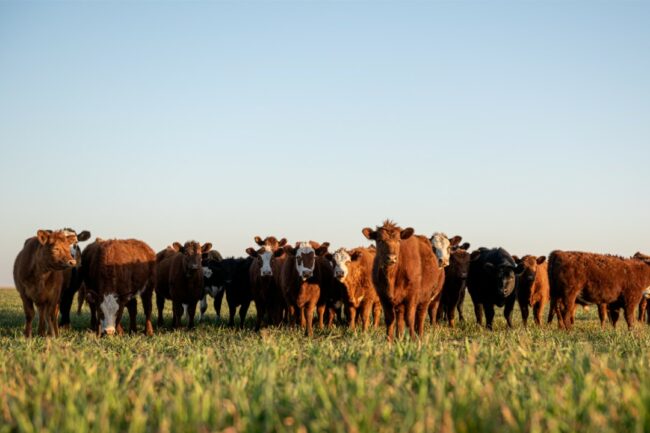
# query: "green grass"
{"type": "Point", "coordinates": [218, 379]}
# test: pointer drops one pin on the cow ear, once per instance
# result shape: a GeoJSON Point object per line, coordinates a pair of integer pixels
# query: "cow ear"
{"type": "Point", "coordinates": [329, 256]}
{"type": "Point", "coordinates": [259, 241]}
{"type": "Point", "coordinates": [355, 255]}
{"type": "Point", "coordinates": [516, 259]}
{"type": "Point", "coordinates": [83, 236]}
{"type": "Point", "coordinates": [177, 247]}
{"type": "Point", "coordinates": [475, 255]}
{"type": "Point", "coordinates": [406, 233]}
{"type": "Point", "coordinates": [488, 266]}
{"type": "Point", "coordinates": [455, 240]}
{"type": "Point", "coordinates": [206, 247]}
{"type": "Point", "coordinates": [322, 249]}
{"type": "Point", "coordinates": [465, 246]}
{"type": "Point", "coordinates": [369, 233]}
{"type": "Point", "coordinates": [43, 236]}
{"type": "Point", "coordinates": [541, 259]}
{"type": "Point", "coordinates": [251, 252]}
{"type": "Point", "coordinates": [282, 242]}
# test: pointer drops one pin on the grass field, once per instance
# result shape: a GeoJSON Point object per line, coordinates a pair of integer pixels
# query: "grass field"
{"type": "Point", "coordinates": [218, 379]}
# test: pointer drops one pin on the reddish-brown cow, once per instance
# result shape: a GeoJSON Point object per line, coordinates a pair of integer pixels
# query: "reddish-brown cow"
{"type": "Point", "coordinates": [597, 279]}
{"type": "Point", "coordinates": [532, 286]}
{"type": "Point", "coordinates": [353, 273]}
{"type": "Point", "coordinates": [406, 275]}
{"type": "Point", "coordinates": [38, 274]}
{"type": "Point", "coordinates": [114, 272]}
{"type": "Point", "coordinates": [180, 279]}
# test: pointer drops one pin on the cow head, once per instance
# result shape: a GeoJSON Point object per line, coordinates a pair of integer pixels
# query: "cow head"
{"type": "Point", "coordinates": [442, 247]}
{"type": "Point", "coordinates": [503, 274]}
{"type": "Point", "coordinates": [305, 254]}
{"type": "Point", "coordinates": [459, 260]}
{"type": "Point", "coordinates": [192, 254]}
{"type": "Point", "coordinates": [270, 241]}
{"type": "Point", "coordinates": [263, 256]}
{"type": "Point", "coordinates": [388, 238]}
{"type": "Point", "coordinates": [81, 237]}
{"type": "Point", "coordinates": [58, 248]}
{"type": "Point", "coordinates": [527, 268]}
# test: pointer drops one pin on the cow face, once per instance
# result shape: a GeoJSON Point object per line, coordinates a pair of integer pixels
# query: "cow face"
{"type": "Point", "coordinates": [459, 261]}
{"type": "Point", "coordinates": [264, 256]}
{"type": "Point", "coordinates": [58, 249]}
{"type": "Point", "coordinates": [107, 312]}
{"type": "Point", "coordinates": [388, 238]}
{"type": "Point", "coordinates": [504, 277]}
{"type": "Point", "coordinates": [527, 268]}
{"type": "Point", "coordinates": [270, 241]}
{"type": "Point", "coordinates": [192, 254]}
{"type": "Point", "coordinates": [305, 260]}
{"type": "Point", "coordinates": [74, 249]}
{"type": "Point", "coordinates": [341, 260]}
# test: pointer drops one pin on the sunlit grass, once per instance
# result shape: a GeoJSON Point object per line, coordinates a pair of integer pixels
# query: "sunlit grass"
{"type": "Point", "coordinates": [214, 378]}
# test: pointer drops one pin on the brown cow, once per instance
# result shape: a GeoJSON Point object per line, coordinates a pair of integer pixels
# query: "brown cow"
{"type": "Point", "coordinates": [406, 275]}
{"type": "Point", "coordinates": [353, 273]}
{"type": "Point", "coordinates": [38, 274]}
{"type": "Point", "coordinates": [263, 277]}
{"type": "Point", "coordinates": [597, 279]}
{"type": "Point", "coordinates": [532, 286]}
{"type": "Point", "coordinates": [180, 279]}
{"type": "Point", "coordinates": [304, 273]}
{"type": "Point", "coordinates": [114, 272]}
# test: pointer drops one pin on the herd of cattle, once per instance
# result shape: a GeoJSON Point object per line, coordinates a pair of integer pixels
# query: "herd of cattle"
{"type": "Point", "coordinates": [403, 275]}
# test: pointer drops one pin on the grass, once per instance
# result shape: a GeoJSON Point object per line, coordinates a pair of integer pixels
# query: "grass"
{"type": "Point", "coordinates": [219, 379]}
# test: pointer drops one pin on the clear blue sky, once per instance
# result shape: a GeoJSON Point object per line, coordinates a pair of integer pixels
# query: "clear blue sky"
{"type": "Point", "coordinates": [520, 124]}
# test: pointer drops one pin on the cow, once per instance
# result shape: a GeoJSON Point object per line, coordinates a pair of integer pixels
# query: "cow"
{"type": "Point", "coordinates": [180, 279]}
{"type": "Point", "coordinates": [114, 272]}
{"type": "Point", "coordinates": [491, 281]}
{"type": "Point", "coordinates": [39, 275]}
{"type": "Point", "coordinates": [532, 286]}
{"type": "Point", "coordinates": [443, 247]}
{"type": "Point", "coordinates": [71, 280]}
{"type": "Point", "coordinates": [210, 263]}
{"type": "Point", "coordinates": [597, 279]}
{"type": "Point", "coordinates": [305, 273]}
{"type": "Point", "coordinates": [406, 276]}
{"type": "Point", "coordinates": [353, 276]}
{"type": "Point", "coordinates": [267, 294]}
{"type": "Point", "coordinates": [453, 290]}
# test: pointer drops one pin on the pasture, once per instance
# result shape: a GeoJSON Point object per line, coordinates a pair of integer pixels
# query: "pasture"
{"type": "Point", "coordinates": [219, 379]}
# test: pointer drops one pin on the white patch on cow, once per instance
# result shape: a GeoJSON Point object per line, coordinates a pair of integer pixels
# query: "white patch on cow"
{"type": "Point", "coordinates": [341, 258]}
{"type": "Point", "coordinates": [109, 307]}
{"type": "Point", "coordinates": [304, 248]}
{"type": "Point", "coordinates": [266, 255]}
{"type": "Point", "coordinates": [207, 272]}
{"type": "Point", "coordinates": [359, 299]}
{"type": "Point", "coordinates": [441, 247]}
{"type": "Point", "coordinates": [184, 310]}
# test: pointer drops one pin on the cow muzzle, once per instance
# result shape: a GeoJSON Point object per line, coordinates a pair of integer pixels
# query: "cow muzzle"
{"type": "Point", "coordinates": [109, 331]}
{"type": "Point", "coordinates": [267, 273]}
{"type": "Point", "coordinates": [391, 259]}
{"type": "Point", "coordinates": [307, 274]}
{"type": "Point", "coordinates": [71, 263]}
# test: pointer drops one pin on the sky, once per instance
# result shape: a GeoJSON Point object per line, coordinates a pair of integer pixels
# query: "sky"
{"type": "Point", "coordinates": [524, 125]}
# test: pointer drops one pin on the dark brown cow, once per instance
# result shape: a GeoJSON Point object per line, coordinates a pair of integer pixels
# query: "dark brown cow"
{"type": "Point", "coordinates": [114, 272]}
{"type": "Point", "coordinates": [353, 273]}
{"type": "Point", "coordinates": [532, 286]}
{"type": "Point", "coordinates": [71, 279]}
{"type": "Point", "coordinates": [180, 279]}
{"type": "Point", "coordinates": [405, 274]}
{"type": "Point", "coordinates": [597, 279]}
{"type": "Point", "coordinates": [453, 290]}
{"type": "Point", "coordinates": [38, 274]}
{"type": "Point", "coordinates": [266, 293]}
{"type": "Point", "coordinates": [304, 274]}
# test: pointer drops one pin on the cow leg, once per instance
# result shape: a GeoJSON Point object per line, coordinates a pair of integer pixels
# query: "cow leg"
{"type": "Point", "coordinates": [177, 314]}
{"type": "Point", "coordinates": [203, 307]}
{"type": "Point", "coordinates": [160, 303]}
{"type": "Point", "coordinates": [420, 315]}
{"type": "Point", "coordinates": [309, 313]}
{"type": "Point", "coordinates": [614, 315]}
{"type": "Point", "coordinates": [320, 310]}
{"type": "Point", "coordinates": [642, 306]}
{"type": "Point", "coordinates": [568, 311]}
{"type": "Point", "coordinates": [507, 311]}
{"type": "Point", "coordinates": [132, 308]}
{"type": "Point", "coordinates": [551, 310]}
{"type": "Point", "coordinates": [432, 313]}
{"type": "Point", "coordinates": [331, 314]}
{"type": "Point", "coordinates": [459, 305]}
{"type": "Point", "coordinates": [629, 312]}
{"type": "Point", "coordinates": [94, 323]}
{"type": "Point", "coordinates": [434, 306]}
{"type": "Point", "coordinates": [261, 308]}
{"type": "Point", "coordinates": [376, 314]}
{"type": "Point", "coordinates": [478, 312]}
{"type": "Point", "coordinates": [217, 302]}
{"type": "Point", "coordinates": [42, 313]}
{"type": "Point", "coordinates": [351, 312]}
{"type": "Point", "coordinates": [118, 320]}
{"type": "Point", "coordinates": [602, 315]}
{"type": "Point", "coordinates": [451, 313]}
{"type": "Point", "coordinates": [232, 310]}
{"type": "Point", "coordinates": [401, 321]}
{"type": "Point", "coordinates": [191, 312]}
{"type": "Point", "coordinates": [147, 307]}
{"type": "Point", "coordinates": [28, 308]}
{"type": "Point", "coordinates": [523, 307]}
{"type": "Point", "coordinates": [389, 318]}
{"type": "Point", "coordinates": [242, 313]}
{"type": "Point", "coordinates": [489, 315]}
{"type": "Point", "coordinates": [538, 309]}
{"type": "Point", "coordinates": [366, 309]}
{"type": "Point", "coordinates": [54, 316]}
{"type": "Point", "coordinates": [65, 305]}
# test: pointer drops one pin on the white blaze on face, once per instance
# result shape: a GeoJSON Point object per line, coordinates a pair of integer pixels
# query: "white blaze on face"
{"type": "Point", "coordinates": [442, 247]}
{"type": "Point", "coordinates": [265, 256]}
{"type": "Point", "coordinates": [109, 307]}
{"type": "Point", "coordinates": [304, 249]}
{"type": "Point", "coordinates": [341, 259]}
{"type": "Point", "coordinates": [207, 272]}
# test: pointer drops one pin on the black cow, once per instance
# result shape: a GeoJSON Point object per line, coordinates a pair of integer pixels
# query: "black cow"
{"type": "Point", "coordinates": [71, 279]}
{"type": "Point", "coordinates": [211, 277]}
{"type": "Point", "coordinates": [232, 274]}
{"type": "Point", "coordinates": [453, 291]}
{"type": "Point", "coordinates": [491, 281]}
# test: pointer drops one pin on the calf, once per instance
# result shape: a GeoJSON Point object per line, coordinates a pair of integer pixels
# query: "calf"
{"type": "Point", "coordinates": [597, 279]}
{"type": "Point", "coordinates": [39, 276]}
{"type": "Point", "coordinates": [304, 273]}
{"type": "Point", "coordinates": [453, 290]}
{"type": "Point", "coordinates": [353, 276]}
{"type": "Point", "coordinates": [210, 263]}
{"type": "Point", "coordinates": [443, 246]}
{"type": "Point", "coordinates": [71, 279]}
{"type": "Point", "coordinates": [406, 276]}
{"type": "Point", "coordinates": [491, 281]}
{"type": "Point", "coordinates": [180, 279]}
{"type": "Point", "coordinates": [114, 272]}
{"type": "Point", "coordinates": [532, 286]}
